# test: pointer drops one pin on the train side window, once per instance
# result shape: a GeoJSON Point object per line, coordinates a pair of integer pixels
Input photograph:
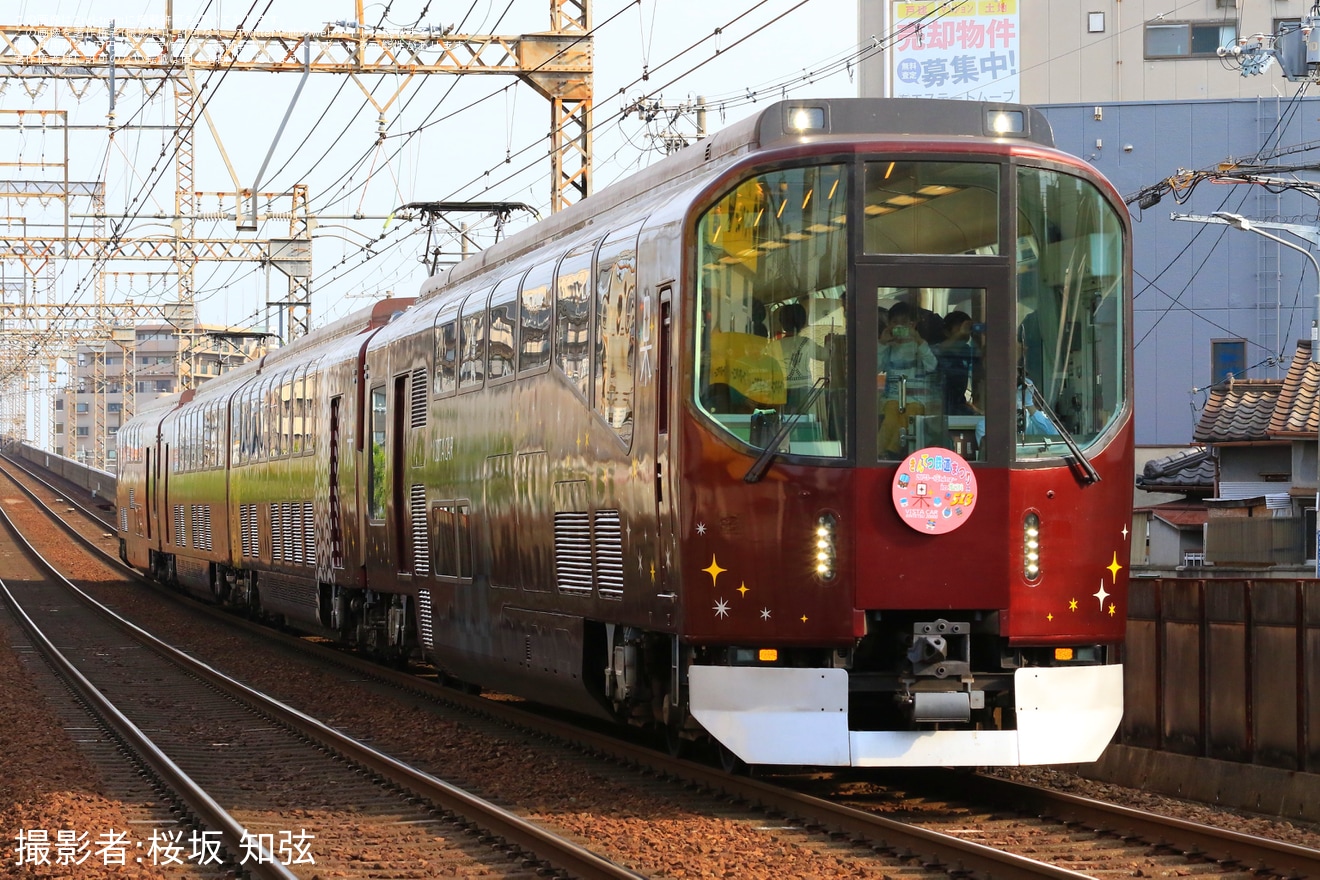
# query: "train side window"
{"type": "Point", "coordinates": [534, 319]}
{"type": "Point", "coordinates": [254, 422]}
{"type": "Point", "coordinates": [286, 415]}
{"type": "Point", "coordinates": [573, 317]}
{"type": "Point", "coordinates": [235, 413]}
{"type": "Point", "coordinates": [616, 312]}
{"type": "Point", "coordinates": [378, 487]}
{"type": "Point", "coordinates": [298, 409]}
{"type": "Point", "coordinates": [310, 420]}
{"type": "Point", "coordinates": [446, 356]}
{"type": "Point", "coordinates": [450, 534]}
{"type": "Point", "coordinates": [211, 434]}
{"type": "Point", "coordinates": [472, 341]}
{"type": "Point", "coordinates": [271, 420]}
{"type": "Point", "coordinates": [503, 328]}
{"type": "Point", "coordinates": [443, 537]}
{"type": "Point", "coordinates": [463, 529]}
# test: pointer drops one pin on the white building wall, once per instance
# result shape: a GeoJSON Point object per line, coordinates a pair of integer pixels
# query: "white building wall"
{"type": "Point", "coordinates": [1062, 62]}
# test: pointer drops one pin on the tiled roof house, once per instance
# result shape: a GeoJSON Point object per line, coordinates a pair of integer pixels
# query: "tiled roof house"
{"type": "Point", "coordinates": [1262, 435]}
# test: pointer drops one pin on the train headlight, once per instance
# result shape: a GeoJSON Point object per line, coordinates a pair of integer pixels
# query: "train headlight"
{"type": "Point", "coordinates": [823, 547]}
{"type": "Point", "coordinates": [1031, 547]}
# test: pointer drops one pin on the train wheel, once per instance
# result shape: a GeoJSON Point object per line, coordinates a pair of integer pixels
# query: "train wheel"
{"type": "Point", "coordinates": [675, 745]}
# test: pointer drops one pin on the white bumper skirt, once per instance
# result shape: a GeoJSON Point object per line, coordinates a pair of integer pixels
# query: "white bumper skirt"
{"type": "Point", "coordinates": [771, 715]}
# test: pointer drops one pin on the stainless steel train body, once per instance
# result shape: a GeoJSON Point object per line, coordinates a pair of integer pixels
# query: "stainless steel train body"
{"type": "Point", "coordinates": [661, 458]}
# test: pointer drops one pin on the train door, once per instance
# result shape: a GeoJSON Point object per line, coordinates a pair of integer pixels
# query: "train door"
{"type": "Point", "coordinates": [150, 513]}
{"type": "Point", "coordinates": [336, 511]}
{"type": "Point", "coordinates": [938, 342]}
{"type": "Point", "coordinates": [398, 473]}
{"type": "Point", "coordinates": [378, 488]}
{"type": "Point", "coordinates": [664, 501]}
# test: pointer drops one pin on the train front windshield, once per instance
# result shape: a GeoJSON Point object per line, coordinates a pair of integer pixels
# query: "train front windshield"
{"type": "Point", "coordinates": [784, 346]}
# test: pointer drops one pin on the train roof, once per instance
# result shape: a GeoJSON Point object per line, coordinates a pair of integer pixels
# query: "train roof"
{"type": "Point", "coordinates": [375, 315]}
{"type": "Point", "coordinates": [782, 124]}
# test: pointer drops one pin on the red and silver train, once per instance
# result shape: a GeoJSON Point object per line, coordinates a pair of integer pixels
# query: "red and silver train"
{"type": "Point", "coordinates": [814, 439]}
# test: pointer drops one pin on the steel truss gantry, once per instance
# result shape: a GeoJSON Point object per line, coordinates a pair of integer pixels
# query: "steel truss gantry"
{"type": "Point", "coordinates": [557, 64]}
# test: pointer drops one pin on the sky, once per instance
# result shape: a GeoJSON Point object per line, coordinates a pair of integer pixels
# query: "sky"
{"type": "Point", "coordinates": [447, 137]}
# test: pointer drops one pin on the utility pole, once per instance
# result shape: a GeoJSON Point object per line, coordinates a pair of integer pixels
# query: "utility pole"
{"type": "Point", "coordinates": [670, 139]}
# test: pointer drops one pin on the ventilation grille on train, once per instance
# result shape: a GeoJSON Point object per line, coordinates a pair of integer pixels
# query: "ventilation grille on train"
{"type": "Point", "coordinates": [424, 618]}
{"type": "Point", "coordinates": [293, 533]}
{"type": "Point", "coordinates": [123, 519]}
{"type": "Point", "coordinates": [573, 552]}
{"type": "Point", "coordinates": [608, 539]}
{"type": "Point", "coordinates": [247, 516]}
{"type": "Point", "coordinates": [180, 527]}
{"type": "Point", "coordinates": [420, 545]}
{"type": "Point", "coordinates": [308, 533]}
{"type": "Point", "coordinates": [200, 516]}
{"type": "Point", "coordinates": [418, 410]}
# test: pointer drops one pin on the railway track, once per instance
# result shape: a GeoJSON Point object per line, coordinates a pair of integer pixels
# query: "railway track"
{"type": "Point", "coordinates": [295, 793]}
{"type": "Point", "coordinates": [863, 832]}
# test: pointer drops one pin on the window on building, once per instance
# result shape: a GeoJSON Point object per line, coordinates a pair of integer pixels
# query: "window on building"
{"type": "Point", "coordinates": [82, 408]}
{"type": "Point", "coordinates": [1228, 357]}
{"type": "Point", "coordinates": [1188, 39]}
{"type": "Point", "coordinates": [83, 431]}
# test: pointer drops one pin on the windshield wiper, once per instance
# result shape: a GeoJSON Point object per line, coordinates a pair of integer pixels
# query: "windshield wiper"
{"type": "Point", "coordinates": [762, 463]}
{"type": "Point", "coordinates": [1089, 473]}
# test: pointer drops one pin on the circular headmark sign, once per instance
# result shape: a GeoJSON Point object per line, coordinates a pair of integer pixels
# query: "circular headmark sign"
{"type": "Point", "coordinates": [934, 490]}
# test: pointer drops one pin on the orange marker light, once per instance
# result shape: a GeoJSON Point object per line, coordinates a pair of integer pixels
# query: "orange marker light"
{"type": "Point", "coordinates": [1063, 653]}
{"type": "Point", "coordinates": [767, 655]}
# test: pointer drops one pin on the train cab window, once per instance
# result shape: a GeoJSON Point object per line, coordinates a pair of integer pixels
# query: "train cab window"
{"type": "Point", "coordinates": [930, 370]}
{"type": "Point", "coordinates": [1070, 314]}
{"type": "Point", "coordinates": [931, 208]}
{"type": "Point", "coordinates": [503, 327]}
{"type": "Point", "coordinates": [573, 316]}
{"type": "Point", "coordinates": [772, 335]}
{"type": "Point", "coordinates": [378, 487]}
{"type": "Point", "coordinates": [472, 341]}
{"type": "Point", "coordinates": [616, 310]}
{"type": "Point", "coordinates": [446, 353]}
{"type": "Point", "coordinates": [534, 315]}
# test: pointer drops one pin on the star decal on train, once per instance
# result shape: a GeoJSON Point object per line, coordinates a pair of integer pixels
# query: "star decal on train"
{"type": "Point", "coordinates": [765, 613]}
{"type": "Point", "coordinates": [742, 590]}
{"type": "Point", "coordinates": [1072, 604]}
{"type": "Point", "coordinates": [1114, 568]}
{"type": "Point", "coordinates": [721, 608]}
{"type": "Point", "coordinates": [1101, 595]}
{"type": "Point", "coordinates": [713, 570]}
{"type": "Point", "coordinates": [701, 528]}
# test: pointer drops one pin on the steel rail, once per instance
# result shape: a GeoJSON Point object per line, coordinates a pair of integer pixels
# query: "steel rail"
{"type": "Point", "coordinates": [1190, 838]}
{"type": "Point", "coordinates": [544, 845]}
{"type": "Point", "coordinates": [211, 814]}
{"type": "Point", "coordinates": [1217, 844]}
